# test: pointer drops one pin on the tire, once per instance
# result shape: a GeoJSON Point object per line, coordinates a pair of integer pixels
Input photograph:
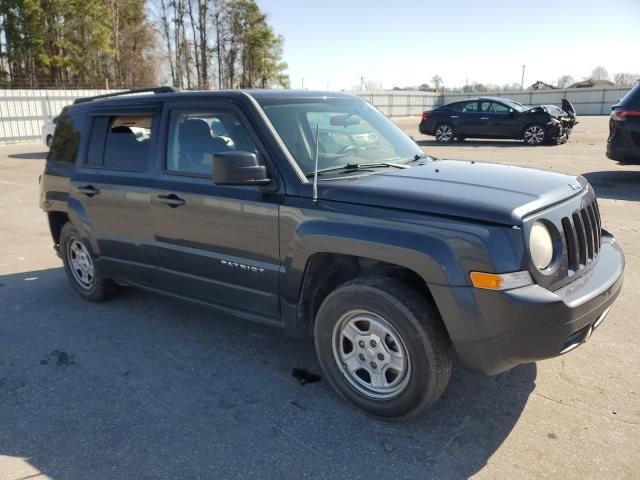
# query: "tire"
{"type": "Point", "coordinates": [49, 140]}
{"type": "Point", "coordinates": [81, 269]}
{"type": "Point", "coordinates": [400, 336]}
{"type": "Point", "coordinates": [444, 133]}
{"type": "Point", "coordinates": [534, 134]}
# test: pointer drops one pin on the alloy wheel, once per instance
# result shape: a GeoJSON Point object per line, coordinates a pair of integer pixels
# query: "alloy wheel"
{"type": "Point", "coordinates": [534, 135]}
{"type": "Point", "coordinates": [444, 133]}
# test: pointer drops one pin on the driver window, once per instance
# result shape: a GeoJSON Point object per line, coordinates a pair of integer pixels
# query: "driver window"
{"type": "Point", "coordinates": [486, 107]}
{"type": "Point", "coordinates": [500, 108]}
{"type": "Point", "coordinates": [196, 136]}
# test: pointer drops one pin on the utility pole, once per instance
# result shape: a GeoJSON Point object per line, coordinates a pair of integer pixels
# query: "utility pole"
{"type": "Point", "coordinates": [522, 80]}
{"type": "Point", "coordinates": [362, 84]}
{"type": "Point", "coordinates": [302, 83]}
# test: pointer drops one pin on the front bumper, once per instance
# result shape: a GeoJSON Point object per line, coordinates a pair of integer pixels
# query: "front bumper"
{"type": "Point", "coordinates": [504, 329]}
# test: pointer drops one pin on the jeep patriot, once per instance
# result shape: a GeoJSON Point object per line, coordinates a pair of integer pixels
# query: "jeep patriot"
{"type": "Point", "coordinates": [313, 212]}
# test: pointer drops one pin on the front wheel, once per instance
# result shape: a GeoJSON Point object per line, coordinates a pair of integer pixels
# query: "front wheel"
{"type": "Point", "coordinates": [383, 347]}
{"type": "Point", "coordinates": [534, 135]}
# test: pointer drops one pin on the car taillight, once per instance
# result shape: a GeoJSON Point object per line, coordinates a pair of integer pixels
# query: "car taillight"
{"type": "Point", "coordinates": [425, 116]}
{"type": "Point", "coordinates": [622, 115]}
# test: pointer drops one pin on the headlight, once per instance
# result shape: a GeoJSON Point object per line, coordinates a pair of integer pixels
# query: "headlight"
{"type": "Point", "coordinates": [540, 246]}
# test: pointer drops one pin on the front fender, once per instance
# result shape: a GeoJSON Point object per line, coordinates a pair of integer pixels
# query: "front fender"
{"type": "Point", "coordinates": [424, 252]}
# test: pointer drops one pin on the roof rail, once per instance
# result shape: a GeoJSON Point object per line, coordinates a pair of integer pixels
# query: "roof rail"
{"type": "Point", "coordinates": [166, 89]}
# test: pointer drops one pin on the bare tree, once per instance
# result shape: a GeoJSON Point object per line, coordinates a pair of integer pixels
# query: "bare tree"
{"type": "Point", "coordinates": [626, 79]}
{"type": "Point", "coordinates": [166, 30]}
{"type": "Point", "coordinates": [599, 73]}
{"type": "Point", "coordinates": [437, 81]}
{"type": "Point", "coordinates": [564, 81]}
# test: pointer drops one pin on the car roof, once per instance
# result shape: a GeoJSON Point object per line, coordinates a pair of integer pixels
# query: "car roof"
{"type": "Point", "coordinates": [476, 99]}
{"type": "Point", "coordinates": [259, 94]}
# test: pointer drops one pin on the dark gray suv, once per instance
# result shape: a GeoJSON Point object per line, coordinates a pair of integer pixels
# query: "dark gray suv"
{"type": "Point", "coordinates": [271, 206]}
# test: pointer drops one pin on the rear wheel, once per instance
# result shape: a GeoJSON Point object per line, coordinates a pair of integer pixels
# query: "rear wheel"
{"type": "Point", "coordinates": [383, 347]}
{"type": "Point", "coordinates": [534, 135]}
{"type": "Point", "coordinates": [81, 269]}
{"type": "Point", "coordinates": [444, 133]}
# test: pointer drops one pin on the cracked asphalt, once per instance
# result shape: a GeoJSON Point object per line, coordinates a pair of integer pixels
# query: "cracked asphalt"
{"type": "Point", "coordinates": [149, 387]}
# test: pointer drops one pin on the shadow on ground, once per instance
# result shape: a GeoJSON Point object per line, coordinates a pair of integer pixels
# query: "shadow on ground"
{"type": "Point", "coordinates": [617, 185]}
{"type": "Point", "coordinates": [30, 156]}
{"type": "Point", "coordinates": [149, 387]}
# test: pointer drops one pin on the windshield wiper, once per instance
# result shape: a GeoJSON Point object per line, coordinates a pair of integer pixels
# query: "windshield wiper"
{"type": "Point", "coordinates": [357, 166]}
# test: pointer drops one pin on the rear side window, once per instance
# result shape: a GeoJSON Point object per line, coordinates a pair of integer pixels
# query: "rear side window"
{"type": "Point", "coordinates": [196, 136]}
{"type": "Point", "coordinates": [470, 107]}
{"type": "Point", "coordinates": [66, 140]}
{"type": "Point", "coordinates": [120, 143]}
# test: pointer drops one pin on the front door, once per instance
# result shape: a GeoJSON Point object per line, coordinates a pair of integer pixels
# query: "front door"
{"type": "Point", "coordinates": [215, 243]}
{"type": "Point", "coordinates": [499, 121]}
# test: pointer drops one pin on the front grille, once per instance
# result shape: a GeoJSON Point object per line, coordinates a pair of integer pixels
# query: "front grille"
{"type": "Point", "coordinates": [583, 235]}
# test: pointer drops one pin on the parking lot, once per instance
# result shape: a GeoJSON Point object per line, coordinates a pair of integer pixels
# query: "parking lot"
{"type": "Point", "coordinates": [149, 387]}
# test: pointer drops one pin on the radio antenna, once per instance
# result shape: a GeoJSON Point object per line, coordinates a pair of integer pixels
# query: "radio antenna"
{"type": "Point", "coordinates": [315, 171]}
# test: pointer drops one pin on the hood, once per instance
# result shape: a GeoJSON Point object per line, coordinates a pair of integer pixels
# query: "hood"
{"type": "Point", "coordinates": [567, 109]}
{"type": "Point", "coordinates": [480, 191]}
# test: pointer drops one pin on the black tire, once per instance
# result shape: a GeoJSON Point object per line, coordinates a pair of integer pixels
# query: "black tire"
{"type": "Point", "coordinates": [444, 133]}
{"type": "Point", "coordinates": [98, 289]}
{"type": "Point", "coordinates": [420, 329]}
{"type": "Point", "coordinates": [534, 134]}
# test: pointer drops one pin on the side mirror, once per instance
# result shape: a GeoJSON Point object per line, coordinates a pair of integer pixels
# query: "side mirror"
{"type": "Point", "coordinates": [238, 168]}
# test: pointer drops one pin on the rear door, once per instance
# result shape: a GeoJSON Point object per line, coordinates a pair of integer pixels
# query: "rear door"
{"type": "Point", "coordinates": [470, 123]}
{"type": "Point", "coordinates": [112, 184]}
{"type": "Point", "coordinates": [215, 243]}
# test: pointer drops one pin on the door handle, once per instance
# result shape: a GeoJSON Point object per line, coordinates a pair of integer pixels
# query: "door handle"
{"type": "Point", "coordinates": [172, 200]}
{"type": "Point", "coordinates": [455, 116]}
{"type": "Point", "coordinates": [88, 190]}
{"type": "Point", "coordinates": [484, 118]}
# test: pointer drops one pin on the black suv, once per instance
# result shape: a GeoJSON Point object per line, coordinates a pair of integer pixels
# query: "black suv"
{"type": "Point", "coordinates": [623, 143]}
{"type": "Point", "coordinates": [270, 205]}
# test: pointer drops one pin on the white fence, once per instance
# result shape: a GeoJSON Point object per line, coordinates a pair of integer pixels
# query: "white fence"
{"type": "Point", "coordinates": [23, 112]}
{"type": "Point", "coordinates": [587, 101]}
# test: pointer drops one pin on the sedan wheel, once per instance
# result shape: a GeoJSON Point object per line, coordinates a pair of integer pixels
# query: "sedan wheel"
{"type": "Point", "coordinates": [444, 133]}
{"type": "Point", "coordinates": [534, 135]}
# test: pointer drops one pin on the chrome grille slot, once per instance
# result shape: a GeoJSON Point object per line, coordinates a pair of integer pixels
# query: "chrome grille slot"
{"type": "Point", "coordinates": [582, 235]}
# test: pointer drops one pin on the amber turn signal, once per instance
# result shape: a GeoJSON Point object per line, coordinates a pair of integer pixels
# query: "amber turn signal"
{"type": "Point", "coordinates": [500, 281]}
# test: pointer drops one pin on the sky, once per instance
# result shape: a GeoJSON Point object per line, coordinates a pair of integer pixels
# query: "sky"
{"type": "Point", "coordinates": [330, 44]}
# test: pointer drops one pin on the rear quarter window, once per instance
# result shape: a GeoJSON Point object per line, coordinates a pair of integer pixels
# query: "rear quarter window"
{"type": "Point", "coordinates": [120, 142]}
{"type": "Point", "coordinates": [66, 140]}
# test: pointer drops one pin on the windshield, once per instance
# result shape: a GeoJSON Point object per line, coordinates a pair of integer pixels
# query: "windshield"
{"type": "Point", "coordinates": [350, 132]}
{"type": "Point", "coordinates": [518, 107]}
